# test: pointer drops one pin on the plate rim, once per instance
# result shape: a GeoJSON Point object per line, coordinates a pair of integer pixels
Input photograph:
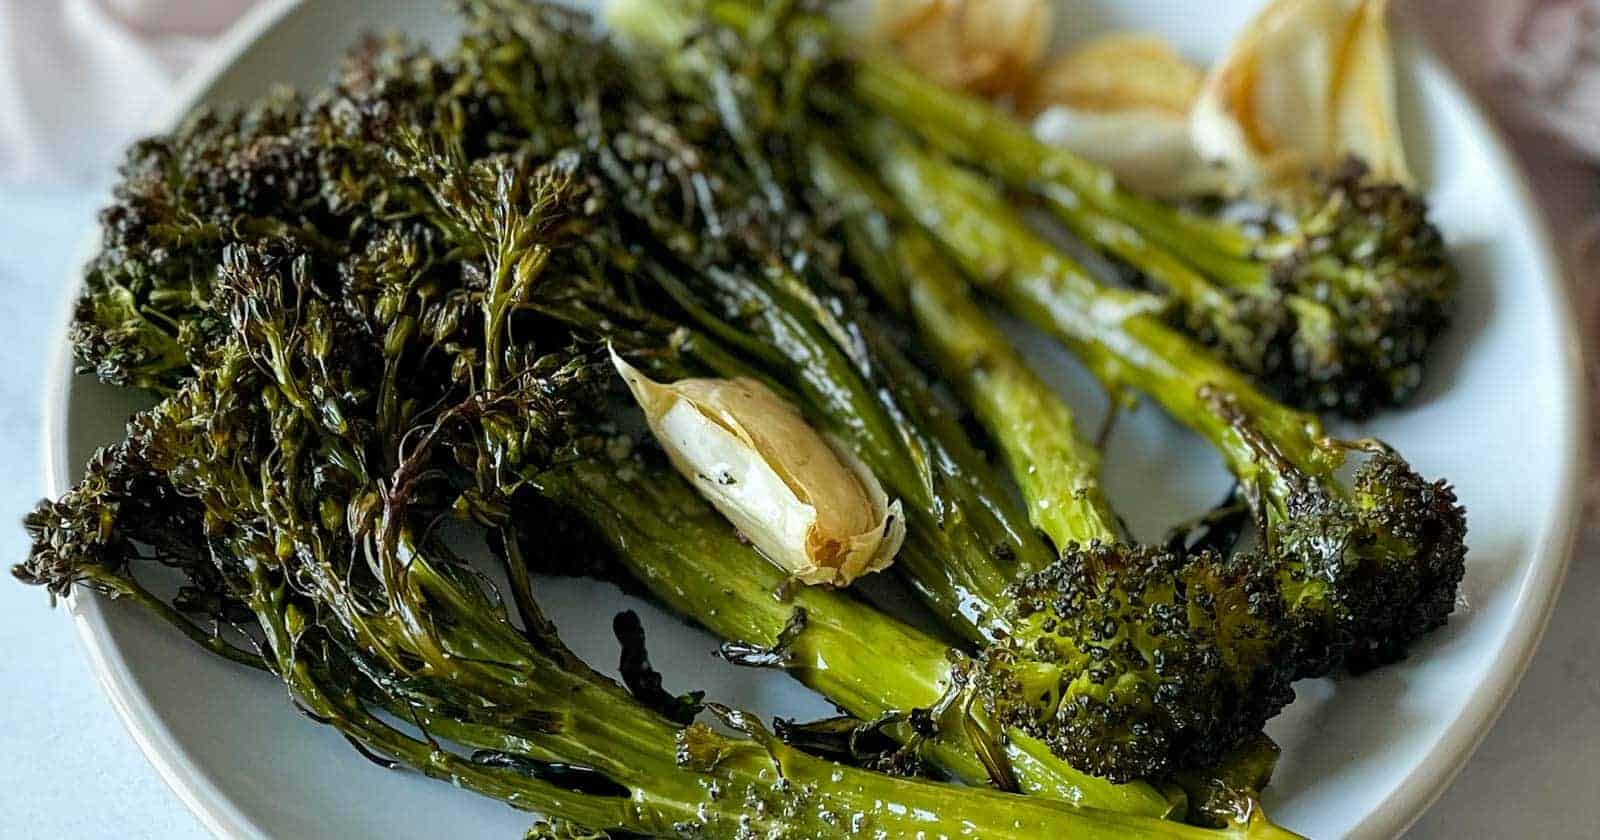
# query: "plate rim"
{"type": "Point", "coordinates": [1397, 811]}
{"type": "Point", "coordinates": [216, 811]}
{"type": "Point", "coordinates": [1541, 589]}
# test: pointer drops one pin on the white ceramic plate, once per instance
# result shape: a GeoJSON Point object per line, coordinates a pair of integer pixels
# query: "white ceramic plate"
{"type": "Point", "coordinates": [1362, 757]}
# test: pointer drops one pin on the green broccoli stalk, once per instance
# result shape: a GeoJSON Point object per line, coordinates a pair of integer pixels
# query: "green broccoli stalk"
{"type": "Point", "coordinates": [504, 711]}
{"type": "Point", "coordinates": [1219, 796]}
{"type": "Point", "coordinates": [893, 678]}
{"type": "Point", "coordinates": [1129, 660]}
{"type": "Point", "coordinates": [1365, 565]}
{"type": "Point", "coordinates": [1056, 470]}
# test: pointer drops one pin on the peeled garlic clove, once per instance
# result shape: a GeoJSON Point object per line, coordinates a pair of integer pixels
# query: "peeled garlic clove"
{"type": "Point", "coordinates": [1124, 71]}
{"type": "Point", "coordinates": [987, 47]}
{"type": "Point", "coordinates": [1307, 84]}
{"type": "Point", "coordinates": [811, 508]}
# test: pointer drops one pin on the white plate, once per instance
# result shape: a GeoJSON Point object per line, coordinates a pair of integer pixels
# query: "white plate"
{"type": "Point", "coordinates": [1501, 416]}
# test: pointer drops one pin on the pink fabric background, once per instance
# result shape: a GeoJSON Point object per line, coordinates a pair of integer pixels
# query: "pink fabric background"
{"type": "Point", "coordinates": [79, 78]}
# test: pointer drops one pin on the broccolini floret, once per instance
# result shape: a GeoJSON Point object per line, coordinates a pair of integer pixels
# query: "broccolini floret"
{"type": "Point", "coordinates": [286, 167]}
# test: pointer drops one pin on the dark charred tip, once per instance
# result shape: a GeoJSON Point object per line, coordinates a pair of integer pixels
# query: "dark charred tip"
{"type": "Point", "coordinates": [1389, 558]}
{"type": "Point", "coordinates": [858, 743]}
{"type": "Point", "coordinates": [644, 682]}
{"type": "Point", "coordinates": [1133, 661]}
{"type": "Point", "coordinates": [1427, 515]}
{"type": "Point", "coordinates": [1359, 347]}
{"type": "Point", "coordinates": [778, 655]}
{"type": "Point", "coordinates": [573, 777]}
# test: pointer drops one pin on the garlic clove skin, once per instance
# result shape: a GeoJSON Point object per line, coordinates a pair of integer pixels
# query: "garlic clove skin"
{"type": "Point", "coordinates": [1308, 83]}
{"type": "Point", "coordinates": [1147, 150]}
{"type": "Point", "coordinates": [1122, 101]}
{"type": "Point", "coordinates": [987, 47]}
{"type": "Point", "coordinates": [1122, 71]}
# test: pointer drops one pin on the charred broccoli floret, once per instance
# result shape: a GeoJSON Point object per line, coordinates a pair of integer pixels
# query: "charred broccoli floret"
{"type": "Point", "coordinates": [120, 517]}
{"type": "Point", "coordinates": [1370, 285]}
{"type": "Point", "coordinates": [1133, 661]}
{"type": "Point", "coordinates": [283, 168]}
{"type": "Point", "coordinates": [1370, 563]}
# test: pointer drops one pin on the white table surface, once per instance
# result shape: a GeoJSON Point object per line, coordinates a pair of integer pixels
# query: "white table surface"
{"type": "Point", "coordinates": [68, 769]}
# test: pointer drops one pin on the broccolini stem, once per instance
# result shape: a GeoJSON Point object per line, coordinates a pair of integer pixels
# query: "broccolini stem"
{"type": "Point", "coordinates": [670, 780]}
{"type": "Point", "coordinates": [1056, 470]}
{"type": "Point", "coordinates": [1218, 794]}
{"type": "Point", "coordinates": [1083, 194]}
{"type": "Point", "coordinates": [1167, 244]}
{"type": "Point", "coordinates": [1117, 333]}
{"type": "Point", "coordinates": [106, 582]}
{"type": "Point", "coordinates": [859, 658]}
{"type": "Point", "coordinates": [971, 129]}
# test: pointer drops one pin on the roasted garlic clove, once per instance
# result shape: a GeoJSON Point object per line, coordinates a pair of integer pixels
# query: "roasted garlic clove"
{"type": "Point", "coordinates": [1122, 101]}
{"type": "Point", "coordinates": [987, 47]}
{"type": "Point", "coordinates": [1307, 84]}
{"type": "Point", "coordinates": [812, 508]}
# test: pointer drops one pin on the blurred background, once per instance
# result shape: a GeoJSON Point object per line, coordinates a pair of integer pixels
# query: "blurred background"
{"type": "Point", "coordinates": [79, 79]}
